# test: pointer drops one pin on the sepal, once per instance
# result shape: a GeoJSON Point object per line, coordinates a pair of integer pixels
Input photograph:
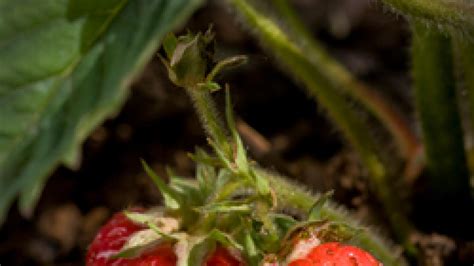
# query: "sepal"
{"type": "Point", "coordinates": [315, 213]}
{"type": "Point", "coordinates": [189, 58]}
{"type": "Point", "coordinates": [139, 243]}
{"type": "Point", "coordinates": [171, 197]}
{"type": "Point", "coordinates": [159, 229]}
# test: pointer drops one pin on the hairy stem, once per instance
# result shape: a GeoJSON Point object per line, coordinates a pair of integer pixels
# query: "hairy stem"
{"type": "Point", "coordinates": [435, 93]}
{"type": "Point", "coordinates": [297, 63]}
{"type": "Point", "coordinates": [341, 78]}
{"type": "Point", "coordinates": [209, 116]}
{"type": "Point", "coordinates": [458, 14]}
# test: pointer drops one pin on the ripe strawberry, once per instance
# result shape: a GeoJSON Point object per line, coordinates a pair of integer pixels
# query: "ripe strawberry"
{"type": "Point", "coordinates": [337, 254]}
{"type": "Point", "coordinates": [118, 230]}
{"type": "Point", "coordinates": [111, 238]}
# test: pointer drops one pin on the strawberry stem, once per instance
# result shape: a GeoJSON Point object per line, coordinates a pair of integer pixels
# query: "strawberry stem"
{"type": "Point", "coordinates": [448, 181]}
{"type": "Point", "coordinates": [211, 122]}
{"type": "Point", "coordinates": [323, 84]}
{"type": "Point", "coordinates": [385, 111]}
{"type": "Point", "coordinates": [455, 15]}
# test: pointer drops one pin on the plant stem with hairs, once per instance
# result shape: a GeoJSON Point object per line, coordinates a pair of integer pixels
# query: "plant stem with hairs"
{"type": "Point", "coordinates": [457, 15]}
{"type": "Point", "coordinates": [298, 64]}
{"type": "Point", "coordinates": [407, 142]}
{"type": "Point", "coordinates": [436, 102]}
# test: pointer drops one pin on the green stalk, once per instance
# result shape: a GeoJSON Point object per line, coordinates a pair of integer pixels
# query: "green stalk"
{"type": "Point", "coordinates": [296, 62]}
{"type": "Point", "coordinates": [289, 194]}
{"type": "Point", "coordinates": [457, 14]}
{"type": "Point", "coordinates": [338, 75]}
{"type": "Point", "coordinates": [442, 133]}
{"type": "Point", "coordinates": [209, 116]}
{"type": "Point", "coordinates": [465, 53]}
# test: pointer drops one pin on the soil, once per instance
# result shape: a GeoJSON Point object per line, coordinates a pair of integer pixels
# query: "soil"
{"type": "Point", "coordinates": [283, 127]}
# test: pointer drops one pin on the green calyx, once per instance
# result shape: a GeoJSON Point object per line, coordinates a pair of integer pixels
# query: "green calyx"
{"type": "Point", "coordinates": [189, 60]}
{"type": "Point", "coordinates": [230, 204]}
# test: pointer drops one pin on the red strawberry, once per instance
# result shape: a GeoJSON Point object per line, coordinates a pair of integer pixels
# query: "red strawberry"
{"type": "Point", "coordinates": [111, 238]}
{"type": "Point", "coordinates": [160, 256]}
{"type": "Point", "coordinates": [117, 231]}
{"type": "Point", "coordinates": [337, 254]}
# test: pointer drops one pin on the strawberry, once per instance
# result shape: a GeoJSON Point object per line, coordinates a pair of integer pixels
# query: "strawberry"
{"type": "Point", "coordinates": [111, 238]}
{"type": "Point", "coordinates": [336, 253]}
{"type": "Point", "coordinates": [118, 231]}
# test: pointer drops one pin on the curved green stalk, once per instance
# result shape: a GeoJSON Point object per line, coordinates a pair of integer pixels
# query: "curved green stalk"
{"type": "Point", "coordinates": [341, 78]}
{"type": "Point", "coordinates": [436, 102]}
{"type": "Point", "coordinates": [297, 63]}
{"type": "Point", "coordinates": [457, 14]}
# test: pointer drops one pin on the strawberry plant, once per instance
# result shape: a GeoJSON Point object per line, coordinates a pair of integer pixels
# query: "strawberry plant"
{"type": "Point", "coordinates": [65, 67]}
{"type": "Point", "coordinates": [233, 203]}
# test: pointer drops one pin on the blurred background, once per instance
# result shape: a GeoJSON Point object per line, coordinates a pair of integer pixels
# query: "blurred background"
{"type": "Point", "coordinates": [283, 127]}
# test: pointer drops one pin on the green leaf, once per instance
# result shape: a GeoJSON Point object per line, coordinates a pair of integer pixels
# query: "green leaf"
{"type": "Point", "coordinates": [189, 61]}
{"type": "Point", "coordinates": [224, 176]}
{"type": "Point", "coordinates": [211, 86]}
{"type": "Point", "coordinates": [64, 68]}
{"type": "Point", "coordinates": [240, 153]}
{"type": "Point", "coordinates": [205, 175]}
{"type": "Point", "coordinates": [204, 158]}
{"type": "Point", "coordinates": [317, 210]}
{"type": "Point", "coordinates": [224, 239]}
{"type": "Point", "coordinates": [188, 190]}
{"type": "Point", "coordinates": [199, 252]}
{"type": "Point", "coordinates": [171, 196]}
{"type": "Point", "coordinates": [229, 206]}
{"type": "Point", "coordinates": [156, 216]}
{"type": "Point", "coordinates": [138, 243]}
{"type": "Point", "coordinates": [233, 61]}
{"type": "Point", "coordinates": [192, 250]}
{"type": "Point", "coordinates": [283, 222]}
{"type": "Point", "coordinates": [169, 44]}
{"type": "Point", "coordinates": [241, 160]}
{"type": "Point", "coordinates": [160, 232]}
{"type": "Point", "coordinates": [160, 228]}
{"type": "Point", "coordinates": [251, 249]}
